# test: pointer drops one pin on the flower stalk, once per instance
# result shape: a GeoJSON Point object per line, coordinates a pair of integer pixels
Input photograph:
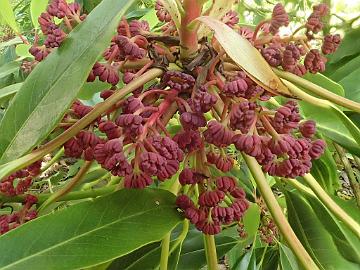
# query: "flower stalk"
{"type": "Point", "coordinates": [304, 258]}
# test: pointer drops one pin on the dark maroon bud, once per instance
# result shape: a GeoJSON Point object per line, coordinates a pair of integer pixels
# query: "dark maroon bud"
{"type": "Point", "coordinates": [192, 214]}
{"type": "Point", "coordinates": [129, 47]}
{"type": "Point", "coordinates": [30, 200]}
{"type": "Point", "coordinates": [222, 162]}
{"type": "Point", "coordinates": [235, 88]}
{"type": "Point", "coordinates": [54, 38]}
{"type": "Point", "coordinates": [189, 140]}
{"type": "Point", "coordinates": [73, 9]}
{"type": "Point", "coordinates": [308, 128]}
{"type": "Point", "coordinates": [317, 149]}
{"type": "Point", "coordinates": [178, 80]}
{"type": "Point", "coordinates": [225, 183]}
{"type": "Point", "coordinates": [111, 130]}
{"type": "Point", "coordinates": [299, 70]}
{"type": "Point", "coordinates": [131, 105]}
{"type": "Point", "coordinates": [314, 61]}
{"type": "Point", "coordinates": [80, 110]}
{"type": "Point", "coordinates": [291, 55]}
{"type": "Point", "coordinates": [73, 148]}
{"type": "Point", "coordinates": [106, 73]}
{"type": "Point", "coordinates": [246, 32]}
{"type": "Point", "coordinates": [321, 9]}
{"type": "Point", "coordinates": [238, 193]}
{"type": "Point", "coordinates": [286, 118]}
{"type": "Point", "coordinates": [118, 165]}
{"type": "Point", "coordinates": [279, 18]}
{"type": "Point", "coordinates": [184, 202]}
{"type": "Point", "coordinates": [34, 168]}
{"type": "Point", "coordinates": [223, 215]}
{"type": "Point", "coordinates": [91, 77]}
{"type": "Point", "coordinates": [23, 185]}
{"type": "Point", "coordinates": [249, 144]}
{"type": "Point", "coordinates": [186, 177]}
{"type": "Point", "coordinates": [103, 151]}
{"type": "Point", "coordinates": [138, 27]}
{"type": "Point", "coordinates": [211, 198]}
{"type": "Point", "coordinates": [314, 23]}
{"type": "Point", "coordinates": [168, 170]}
{"type": "Point", "coordinates": [137, 180]}
{"type": "Point", "coordinates": [272, 55]}
{"type": "Point", "coordinates": [243, 116]}
{"type": "Point", "coordinates": [218, 134]}
{"type": "Point", "coordinates": [210, 228]}
{"type": "Point", "coordinates": [131, 124]}
{"type": "Point", "coordinates": [281, 145]}
{"type": "Point", "coordinates": [152, 163]}
{"type": "Point", "coordinates": [113, 53]}
{"type": "Point", "coordinates": [167, 148]}
{"type": "Point", "coordinates": [39, 52]}
{"type": "Point", "coordinates": [203, 101]}
{"type": "Point", "coordinates": [192, 120]}
{"type": "Point", "coordinates": [88, 138]}
{"type": "Point", "coordinates": [239, 207]}
{"type": "Point", "coordinates": [128, 77]}
{"type": "Point", "coordinates": [231, 18]}
{"type": "Point", "coordinates": [58, 8]}
{"type": "Point", "coordinates": [106, 94]}
{"type": "Point", "coordinates": [46, 22]}
{"type": "Point", "coordinates": [330, 43]}
{"type": "Point", "coordinates": [161, 12]}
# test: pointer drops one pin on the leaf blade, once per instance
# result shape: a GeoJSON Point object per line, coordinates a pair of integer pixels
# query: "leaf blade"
{"type": "Point", "coordinates": [7, 14]}
{"type": "Point", "coordinates": [36, 8]}
{"type": "Point", "coordinates": [76, 233]}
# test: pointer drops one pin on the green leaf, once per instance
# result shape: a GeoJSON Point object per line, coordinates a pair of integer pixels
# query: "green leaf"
{"type": "Point", "coordinates": [246, 56]}
{"type": "Point", "coordinates": [8, 91]}
{"type": "Point", "coordinates": [328, 122]}
{"type": "Point", "coordinates": [324, 170]}
{"type": "Point", "coordinates": [13, 41]}
{"type": "Point", "coordinates": [45, 96]}
{"type": "Point", "coordinates": [287, 258]}
{"type": "Point", "coordinates": [7, 14]}
{"type": "Point", "coordinates": [349, 45]}
{"type": "Point", "coordinates": [246, 262]}
{"type": "Point", "coordinates": [36, 8]}
{"type": "Point", "coordinates": [346, 241]}
{"type": "Point", "coordinates": [325, 82]}
{"type": "Point", "coordinates": [314, 237]}
{"type": "Point", "coordinates": [88, 90]}
{"type": "Point", "coordinates": [22, 50]}
{"type": "Point", "coordinates": [251, 219]}
{"type": "Point", "coordinates": [91, 232]}
{"type": "Point", "coordinates": [9, 68]}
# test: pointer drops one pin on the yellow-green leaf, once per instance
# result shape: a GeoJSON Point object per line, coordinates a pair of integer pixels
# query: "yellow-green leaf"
{"type": "Point", "coordinates": [7, 14]}
{"type": "Point", "coordinates": [36, 8]}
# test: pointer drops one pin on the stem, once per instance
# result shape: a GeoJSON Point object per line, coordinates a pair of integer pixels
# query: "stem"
{"type": "Point", "coordinates": [188, 37]}
{"type": "Point", "coordinates": [257, 29]}
{"type": "Point", "coordinates": [98, 109]}
{"type": "Point", "coordinates": [165, 245]}
{"type": "Point", "coordinates": [318, 90]}
{"type": "Point", "coordinates": [55, 158]}
{"type": "Point", "coordinates": [331, 205]}
{"type": "Point", "coordinates": [69, 186]}
{"type": "Point", "coordinates": [76, 195]}
{"type": "Point", "coordinates": [350, 172]}
{"type": "Point", "coordinates": [278, 216]}
{"type": "Point", "coordinates": [211, 255]}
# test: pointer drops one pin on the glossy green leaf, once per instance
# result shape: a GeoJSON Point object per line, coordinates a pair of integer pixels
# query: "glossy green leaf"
{"type": "Point", "coordinates": [89, 89]}
{"type": "Point", "coordinates": [325, 82]}
{"type": "Point", "coordinates": [36, 8]}
{"type": "Point", "coordinates": [243, 53]}
{"type": "Point", "coordinates": [287, 258]}
{"type": "Point", "coordinates": [9, 68]}
{"type": "Point", "coordinates": [346, 241]}
{"type": "Point", "coordinates": [7, 14]}
{"type": "Point", "coordinates": [45, 96]}
{"type": "Point", "coordinates": [22, 50]}
{"type": "Point", "coordinates": [329, 124]}
{"type": "Point", "coordinates": [9, 91]}
{"type": "Point", "coordinates": [91, 232]}
{"type": "Point", "coordinates": [251, 219]}
{"type": "Point", "coordinates": [246, 262]}
{"type": "Point", "coordinates": [314, 237]}
{"type": "Point", "coordinates": [324, 170]}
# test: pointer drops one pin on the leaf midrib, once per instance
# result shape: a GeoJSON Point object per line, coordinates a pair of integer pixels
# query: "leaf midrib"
{"type": "Point", "coordinates": [57, 80]}
{"type": "Point", "coordinates": [78, 236]}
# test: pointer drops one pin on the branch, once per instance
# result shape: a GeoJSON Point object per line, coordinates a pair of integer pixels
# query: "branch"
{"type": "Point", "coordinates": [278, 216]}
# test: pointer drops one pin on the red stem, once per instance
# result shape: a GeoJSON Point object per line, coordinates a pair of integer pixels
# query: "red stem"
{"type": "Point", "coordinates": [188, 37]}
